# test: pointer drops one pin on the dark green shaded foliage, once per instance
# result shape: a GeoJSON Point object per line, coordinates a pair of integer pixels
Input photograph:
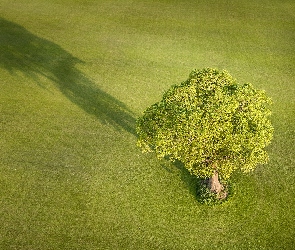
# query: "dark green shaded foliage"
{"type": "Point", "coordinates": [205, 196]}
{"type": "Point", "coordinates": [198, 187]}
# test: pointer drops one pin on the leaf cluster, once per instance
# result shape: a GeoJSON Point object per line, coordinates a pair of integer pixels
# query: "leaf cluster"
{"type": "Point", "coordinates": [210, 123]}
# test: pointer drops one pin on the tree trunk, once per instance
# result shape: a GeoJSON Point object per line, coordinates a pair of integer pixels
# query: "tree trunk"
{"type": "Point", "coordinates": [214, 185]}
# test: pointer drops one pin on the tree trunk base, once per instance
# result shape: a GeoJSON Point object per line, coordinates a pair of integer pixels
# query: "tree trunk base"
{"type": "Point", "coordinates": [214, 185]}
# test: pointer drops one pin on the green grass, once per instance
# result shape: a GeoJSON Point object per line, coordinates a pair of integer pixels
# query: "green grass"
{"type": "Point", "coordinates": [75, 74]}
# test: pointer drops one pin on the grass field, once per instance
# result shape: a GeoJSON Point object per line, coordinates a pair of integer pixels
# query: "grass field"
{"type": "Point", "coordinates": [75, 74]}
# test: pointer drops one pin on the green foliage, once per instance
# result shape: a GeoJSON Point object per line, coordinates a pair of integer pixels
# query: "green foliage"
{"type": "Point", "coordinates": [209, 123]}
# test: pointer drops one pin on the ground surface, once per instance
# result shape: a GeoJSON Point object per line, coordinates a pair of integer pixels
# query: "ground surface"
{"type": "Point", "coordinates": [74, 75]}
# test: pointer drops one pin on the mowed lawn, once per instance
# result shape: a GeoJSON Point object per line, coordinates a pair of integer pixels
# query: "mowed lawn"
{"type": "Point", "coordinates": [75, 75]}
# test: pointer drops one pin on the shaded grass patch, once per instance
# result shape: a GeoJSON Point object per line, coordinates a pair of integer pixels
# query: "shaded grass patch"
{"type": "Point", "coordinates": [22, 51]}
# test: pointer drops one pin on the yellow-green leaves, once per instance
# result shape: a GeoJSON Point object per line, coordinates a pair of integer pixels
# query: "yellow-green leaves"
{"type": "Point", "coordinates": [209, 123]}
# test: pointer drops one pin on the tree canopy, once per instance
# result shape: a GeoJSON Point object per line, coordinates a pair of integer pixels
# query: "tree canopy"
{"type": "Point", "coordinates": [210, 123]}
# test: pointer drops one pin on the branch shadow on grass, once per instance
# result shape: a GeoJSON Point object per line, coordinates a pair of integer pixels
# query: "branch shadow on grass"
{"type": "Point", "coordinates": [22, 51]}
{"type": "Point", "coordinates": [191, 181]}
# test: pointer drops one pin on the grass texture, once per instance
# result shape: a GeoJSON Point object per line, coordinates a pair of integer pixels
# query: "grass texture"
{"type": "Point", "coordinates": [75, 74]}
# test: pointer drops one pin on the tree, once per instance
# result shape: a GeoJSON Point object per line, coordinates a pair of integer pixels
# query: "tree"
{"type": "Point", "coordinates": [211, 124]}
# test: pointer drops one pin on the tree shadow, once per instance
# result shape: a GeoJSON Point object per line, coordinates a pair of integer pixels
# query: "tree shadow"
{"type": "Point", "coordinates": [23, 51]}
{"type": "Point", "coordinates": [191, 181]}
